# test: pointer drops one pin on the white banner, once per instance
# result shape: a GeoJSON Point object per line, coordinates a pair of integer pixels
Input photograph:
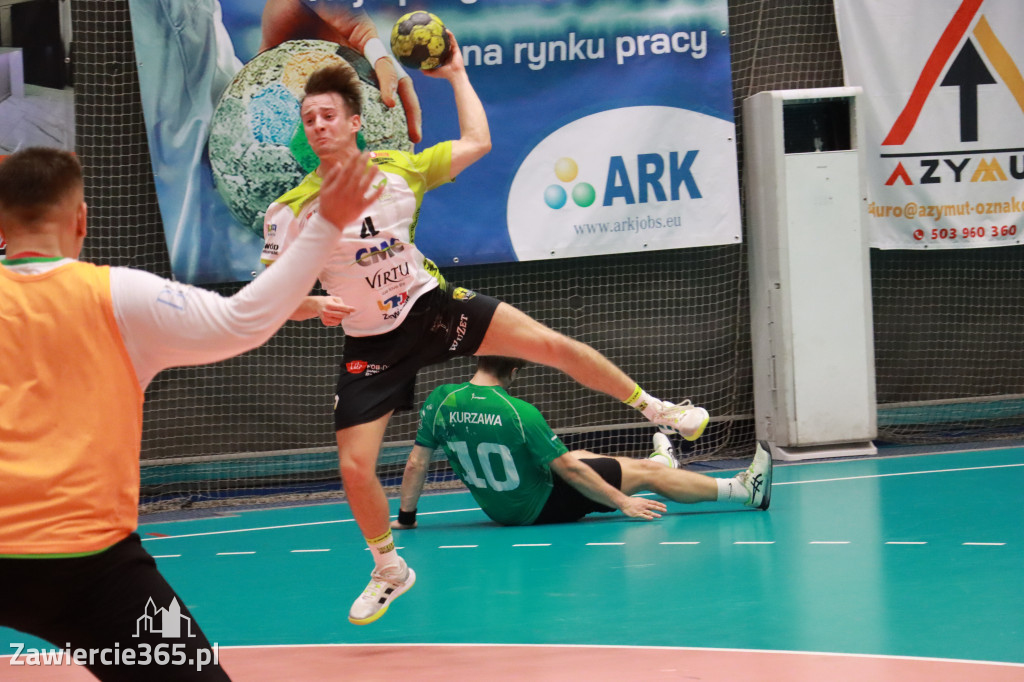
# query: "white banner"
{"type": "Point", "coordinates": [943, 111]}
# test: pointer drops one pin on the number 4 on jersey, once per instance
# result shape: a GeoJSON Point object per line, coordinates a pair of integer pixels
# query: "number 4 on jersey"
{"type": "Point", "coordinates": [368, 229]}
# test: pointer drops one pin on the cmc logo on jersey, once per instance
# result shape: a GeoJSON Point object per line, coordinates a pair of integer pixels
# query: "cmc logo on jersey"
{"type": "Point", "coordinates": [650, 170]}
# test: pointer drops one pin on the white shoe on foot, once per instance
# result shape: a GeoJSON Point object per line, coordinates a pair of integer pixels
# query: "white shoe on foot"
{"type": "Point", "coordinates": [757, 479]}
{"type": "Point", "coordinates": [686, 419]}
{"type": "Point", "coordinates": [385, 585]}
{"type": "Point", "coordinates": [664, 453]}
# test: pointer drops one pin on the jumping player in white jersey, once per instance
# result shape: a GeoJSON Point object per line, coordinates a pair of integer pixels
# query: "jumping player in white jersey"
{"type": "Point", "coordinates": [520, 472]}
{"type": "Point", "coordinates": [398, 312]}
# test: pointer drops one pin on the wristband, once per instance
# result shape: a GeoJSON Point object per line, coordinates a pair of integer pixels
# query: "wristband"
{"type": "Point", "coordinates": [406, 518]}
{"type": "Point", "coordinates": [374, 50]}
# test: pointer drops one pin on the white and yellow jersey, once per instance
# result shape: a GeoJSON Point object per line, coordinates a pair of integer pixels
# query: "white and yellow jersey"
{"type": "Point", "coordinates": [374, 265]}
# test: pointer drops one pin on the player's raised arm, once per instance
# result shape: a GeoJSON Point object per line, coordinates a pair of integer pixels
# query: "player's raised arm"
{"type": "Point", "coordinates": [474, 133]}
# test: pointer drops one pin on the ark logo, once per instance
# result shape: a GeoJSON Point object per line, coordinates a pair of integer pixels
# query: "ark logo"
{"type": "Point", "coordinates": [653, 177]}
{"type": "Point", "coordinates": [580, 189]}
{"type": "Point", "coordinates": [966, 71]}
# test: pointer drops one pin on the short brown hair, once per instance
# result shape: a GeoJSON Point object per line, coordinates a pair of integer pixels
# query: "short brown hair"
{"type": "Point", "coordinates": [35, 179]}
{"type": "Point", "coordinates": [501, 367]}
{"type": "Point", "coordinates": [341, 79]}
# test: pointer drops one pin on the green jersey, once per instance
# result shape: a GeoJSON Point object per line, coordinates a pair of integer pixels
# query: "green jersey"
{"type": "Point", "coordinates": [499, 446]}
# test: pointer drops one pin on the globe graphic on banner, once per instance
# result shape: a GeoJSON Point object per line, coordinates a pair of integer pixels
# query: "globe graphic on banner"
{"type": "Point", "coordinates": [257, 148]}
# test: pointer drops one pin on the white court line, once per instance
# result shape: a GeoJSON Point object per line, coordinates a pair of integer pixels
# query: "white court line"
{"type": "Point", "coordinates": [166, 556]}
{"type": "Point", "coordinates": [904, 473]}
{"type": "Point", "coordinates": [457, 546]}
{"type": "Point", "coordinates": [291, 525]}
{"type": "Point", "coordinates": [679, 543]}
{"type": "Point", "coordinates": [533, 544]}
{"type": "Point", "coordinates": [246, 530]}
{"type": "Point", "coordinates": [754, 542]}
{"type": "Point", "coordinates": [906, 543]}
{"type": "Point", "coordinates": [233, 553]}
{"type": "Point", "coordinates": [604, 544]}
{"type": "Point", "coordinates": [985, 544]}
{"type": "Point", "coordinates": [302, 551]}
{"type": "Point", "coordinates": [830, 542]}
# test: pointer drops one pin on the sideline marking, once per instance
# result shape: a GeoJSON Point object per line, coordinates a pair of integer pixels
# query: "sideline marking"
{"type": "Point", "coordinates": [902, 473]}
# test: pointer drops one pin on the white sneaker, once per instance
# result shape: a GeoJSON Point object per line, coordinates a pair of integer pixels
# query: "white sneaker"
{"type": "Point", "coordinates": [385, 585]}
{"type": "Point", "coordinates": [664, 453]}
{"type": "Point", "coordinates": [757, 479]}
{"type": "Point", "coordinates": [685, 419]}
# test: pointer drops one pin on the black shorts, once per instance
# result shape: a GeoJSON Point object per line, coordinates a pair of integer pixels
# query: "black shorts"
{"type": "Point", "coordinates": [568, 504]}
{"type": "Point", "coordinates": [378, 373]}
{"type": "Point", "coordinates": [100, 603]}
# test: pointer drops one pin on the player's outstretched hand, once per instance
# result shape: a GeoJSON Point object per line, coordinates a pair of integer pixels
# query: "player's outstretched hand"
{"type": "Point", "coordinates": [643, 508]}
{"type": "Point", "coordinates": [395, 525]}
{"type": "Point", "coordinates": [349, 187]}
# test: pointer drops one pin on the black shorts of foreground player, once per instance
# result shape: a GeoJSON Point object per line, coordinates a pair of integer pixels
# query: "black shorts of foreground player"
{"type": "Point", "coordinates": [520, 473]}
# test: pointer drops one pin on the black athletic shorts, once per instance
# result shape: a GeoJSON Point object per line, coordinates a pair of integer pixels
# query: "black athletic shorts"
{"type": "Point", "coordinates": [378, 373]}
{"type": "Point", "coordinates": [568, 504]}
{"type": "Point", "coordinates": [99, 603]}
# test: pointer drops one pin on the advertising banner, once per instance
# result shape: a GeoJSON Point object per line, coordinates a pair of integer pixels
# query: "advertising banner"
{"type": "Point", "coordinates": [943, 108]}
{"type": "Point", "coordinates": [611, 123]}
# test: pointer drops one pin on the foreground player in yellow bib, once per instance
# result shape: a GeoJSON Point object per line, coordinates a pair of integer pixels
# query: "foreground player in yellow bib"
{"type": "Point", "coordinates": [400, 315]}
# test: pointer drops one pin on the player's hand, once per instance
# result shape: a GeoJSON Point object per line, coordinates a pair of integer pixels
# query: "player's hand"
{"type": "Point", "coordinates": [395, 525]}
{"type": "Point", "coordinates": [454, 65]}
{"type": "Point", "coordinates": [643, 508]}
{"type": "Point", "coordinates": [332, 310]}
{"type": "Point", "coordinates": [349, 188]}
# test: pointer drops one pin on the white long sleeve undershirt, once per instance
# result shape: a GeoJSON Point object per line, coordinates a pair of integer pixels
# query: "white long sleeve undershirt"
{"type": "Point", "coordinates": [169, 324]}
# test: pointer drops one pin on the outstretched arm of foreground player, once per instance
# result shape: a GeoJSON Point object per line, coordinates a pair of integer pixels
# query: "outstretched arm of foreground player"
{"type": "Point", "coordinates": [168, 324]}
{"type": "Point", "coordinates": [412, 482]}
{"type": "Point", "coordinates": [580, 476]}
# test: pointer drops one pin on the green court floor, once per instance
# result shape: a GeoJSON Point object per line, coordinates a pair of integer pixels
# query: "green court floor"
{"type": "Point", "coordinates": [904, 556]}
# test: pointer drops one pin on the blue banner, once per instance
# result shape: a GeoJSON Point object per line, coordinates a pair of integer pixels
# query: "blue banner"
{"type": "Point", "coordinates": [611, 120]}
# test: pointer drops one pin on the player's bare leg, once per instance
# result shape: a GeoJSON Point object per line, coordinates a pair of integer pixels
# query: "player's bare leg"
{"type": "Point", "coordinates": [513, 333]}
{"type": "Point", "coordinates": [751, 487]}
{"type": "Point", "coordinates": [678, 485]}
{"type": "Point", "coordinates": [358, 447]}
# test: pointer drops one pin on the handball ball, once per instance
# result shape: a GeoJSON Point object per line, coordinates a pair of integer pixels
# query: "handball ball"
{"type": "Point", "coordinates": [419, 41]}
{"type": "Point", "coordinates": [257, 147]}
